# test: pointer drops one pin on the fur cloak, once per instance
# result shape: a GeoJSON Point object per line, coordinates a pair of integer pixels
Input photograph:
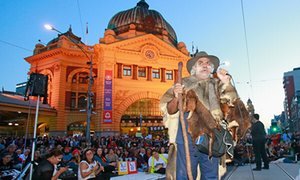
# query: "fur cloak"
{"type": "Point", "coordinates": [211, 93]}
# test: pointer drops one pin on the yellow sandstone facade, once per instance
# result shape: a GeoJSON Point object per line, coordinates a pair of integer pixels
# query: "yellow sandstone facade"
{"type": "Point", "coordinates": [134, 63]}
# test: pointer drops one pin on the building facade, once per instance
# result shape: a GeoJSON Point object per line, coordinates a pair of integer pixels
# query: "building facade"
{"type": "Point", "coordinates": [291, 84]}
{"type": "Point", "coordinates": [134, 63]}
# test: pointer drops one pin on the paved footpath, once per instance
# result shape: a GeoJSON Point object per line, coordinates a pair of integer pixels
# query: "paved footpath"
{"type": "Point", "coordinates": [278, 171]}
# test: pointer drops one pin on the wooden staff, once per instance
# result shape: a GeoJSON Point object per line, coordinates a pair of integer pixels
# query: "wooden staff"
{"type": "Point", "coordinates": [183, 126]}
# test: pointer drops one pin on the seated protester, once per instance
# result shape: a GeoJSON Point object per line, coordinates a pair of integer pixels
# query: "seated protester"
{"type": "Point", "coordinates": [73, 164]}
{"type": "Point", "coordinates": [67, 155]}
{"type": "Point", "coordinates": [148, 154]}
{"type": "Point", "coordinates": [126, 156]}
{"type": "Point", "coordinates": [157, 163]}
{"type": "Point", "coordinates": [111, 156]}
{"type": "Point", "coordinates": [88, 167]}
{"type": "Point", "coordinates": [142, 165]}
{"type": "Point", "coordinates": [283, 160]}
{"type": "Point", "coordinates": [134, 142]}
{"type": "Point", "coordinates": [108, 166]}
{"type": "Point", "coordinates": [1, 146]}
{"type": "Point", "coordinates": [112, 145]}
{"type": "Point", "coordinates": [76, 154]}
{"type": "Point", "coordinates": [19, 153]}
{"type": "Point", "coordinates": [162, 150]}
{"type": "Point", "coordinates": [7, 170]}
{"type": "Point", "coordinates": [295, 146]}
{"type": "Point", "coordinates": [142, 152]}
{"type": "Point", "coordinates": [37, 159]}
{"type": "Point", "coordinates": [47, 169]}
{"type": "Point", "coordinates": [119, 153]}
{"type": "Point", "coordinates": [289, 157]}
{"type": "Point", "coordinates": [11, 149]}
{"type": "Point", "coordinates": [6, 162]}
{"type": "Point", "coordinates": [25, 155]}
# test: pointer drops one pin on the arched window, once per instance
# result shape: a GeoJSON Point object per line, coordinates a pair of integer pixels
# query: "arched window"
{"type": "Point", "coordinates": [148, 107]}
{"type": "Point", "coordinates": [81, 78]}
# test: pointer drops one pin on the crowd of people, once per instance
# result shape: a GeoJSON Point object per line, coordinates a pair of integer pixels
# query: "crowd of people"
{"type": "Point", "coordinates": [281, 147]}
{"type": "Point", "coordinates": [68, 157]}
{"type": "Point", "coordinates": [106, 152]}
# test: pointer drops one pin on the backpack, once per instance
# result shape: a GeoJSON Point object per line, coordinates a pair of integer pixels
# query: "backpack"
{"type": "Point", "coordinates": [223, 143]}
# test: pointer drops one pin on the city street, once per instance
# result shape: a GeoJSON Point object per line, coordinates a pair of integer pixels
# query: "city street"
{"type": "Point", "coordinates": [278, 171]}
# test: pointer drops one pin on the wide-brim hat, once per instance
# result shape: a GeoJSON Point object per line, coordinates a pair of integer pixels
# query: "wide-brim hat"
{"type": "Point", "coordinates": [213, 59]}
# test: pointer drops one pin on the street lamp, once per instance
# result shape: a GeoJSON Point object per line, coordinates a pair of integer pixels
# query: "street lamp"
{"type": "Point", "coordinates": [91, 81]}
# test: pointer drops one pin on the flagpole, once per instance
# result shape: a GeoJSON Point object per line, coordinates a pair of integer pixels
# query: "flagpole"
{"type": "Point", "coordinates": [86, 32]}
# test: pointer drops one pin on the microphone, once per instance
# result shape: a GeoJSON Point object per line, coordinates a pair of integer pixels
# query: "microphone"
{"type": "Point", "coordinates": [215, 74]}
{"type": "Point", "coordinates": [228, 75]}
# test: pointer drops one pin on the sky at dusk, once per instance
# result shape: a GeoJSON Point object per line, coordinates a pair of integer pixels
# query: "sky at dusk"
{"type": "Point", "coordinates": [272, 29]}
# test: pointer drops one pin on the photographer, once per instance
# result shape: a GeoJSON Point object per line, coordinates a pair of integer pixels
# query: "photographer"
{"type": "Point", "coordinates": [47, 169]}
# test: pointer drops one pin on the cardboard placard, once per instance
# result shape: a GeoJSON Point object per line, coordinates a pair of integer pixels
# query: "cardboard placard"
{"type": "Point", "coordinates": [132, 167]}
{"type": "Point", "coordinates": [122, 167]}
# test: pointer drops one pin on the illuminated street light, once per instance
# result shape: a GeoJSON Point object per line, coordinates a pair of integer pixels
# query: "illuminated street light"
{"type": "Point", "coordinates": [91, 81]}
{"type": "Point", "coordinates": [49, 27]}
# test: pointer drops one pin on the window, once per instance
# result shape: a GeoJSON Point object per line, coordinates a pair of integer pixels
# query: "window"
{"type": "Point", "coordinates": [146, 107]}
{"type": "Point", "coordinates": [79, 100]}
{"type": "Point", "coordinates": [142, 72]}
{"type": "Point", "coordinates": [155, 73]}
{"type": "Point", "coordinates": [169, 75]}
{"type": "Point", "coordinates": [82, 101]}
{"type": "Point", "coordinates": [81, 77]}
{"type": "Point", "coordinates": [127, 70]}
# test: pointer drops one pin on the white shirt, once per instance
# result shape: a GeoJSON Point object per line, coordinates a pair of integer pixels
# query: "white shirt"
{"type": "Point", "coordinates": [90, 167]}
{"type": "Point", "coordinates": [157, 162]}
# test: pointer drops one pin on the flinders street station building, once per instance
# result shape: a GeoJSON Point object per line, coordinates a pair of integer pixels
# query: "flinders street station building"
{"type": "Point", "coordinates": [133, 64]}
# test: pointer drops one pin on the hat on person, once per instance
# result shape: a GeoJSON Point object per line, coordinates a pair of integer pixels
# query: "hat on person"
{"type": "Point", "coordinates": [5, 154]}
{"type": "Point", "coordinates": [213, 59]}
{"type": "Point", "coordinates": [256, 116]}
{"type": "Point", "coordinates": [76, 151]}
{"type": "Point", "coordinates": [67, 148]}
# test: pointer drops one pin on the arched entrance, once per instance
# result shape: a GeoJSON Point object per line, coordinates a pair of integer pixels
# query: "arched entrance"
{"type": "Point", "coordinates": [43, 129]}
{"type": "Point", "coordinates": [76, 129]}
{"type": "Point", "coordinates": [142, 117]}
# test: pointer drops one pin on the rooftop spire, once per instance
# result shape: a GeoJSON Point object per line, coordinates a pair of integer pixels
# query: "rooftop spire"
{"type": "Point", "coordinates": [70, 28]}
{"type": "Point", "coordinates": [142, 4]}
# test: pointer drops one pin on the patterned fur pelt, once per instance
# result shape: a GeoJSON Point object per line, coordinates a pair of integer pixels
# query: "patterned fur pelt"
{"type": "Point", "coordinates": [237, 112]}
{"type": "Point", "coordinates": [200, 120]}
{"type": "Point", "coordinates": [171, 165]}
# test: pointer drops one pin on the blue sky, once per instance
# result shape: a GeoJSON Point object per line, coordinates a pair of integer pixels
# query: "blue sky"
{"type": "Point", "coordinates": [272, 28]}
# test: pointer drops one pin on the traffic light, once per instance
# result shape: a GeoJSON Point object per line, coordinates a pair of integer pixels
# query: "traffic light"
{"type": "Point", "coordinates": [275, 129]}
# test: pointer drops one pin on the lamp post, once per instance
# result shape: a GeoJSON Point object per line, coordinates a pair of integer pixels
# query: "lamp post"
{"type": "Point", "coordinates": [90, 94]}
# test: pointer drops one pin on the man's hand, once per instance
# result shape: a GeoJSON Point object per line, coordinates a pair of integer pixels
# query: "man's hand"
{"type": "Point", "coordinates": [178, 89]}
{"type": "Point", "coordinates": [113, 164]}
{"type": "Point", "coordinates": [157, 167]}
{"type": "Point", "coordinates": [223, 75]}
{"type": "Point", "coordinates": [102, 168]}
{"type": "Point", "coordinates": [63, 169]}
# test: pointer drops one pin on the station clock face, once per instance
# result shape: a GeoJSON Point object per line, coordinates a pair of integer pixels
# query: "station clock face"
{"type": "Point", "coordinates": [149, 54]}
